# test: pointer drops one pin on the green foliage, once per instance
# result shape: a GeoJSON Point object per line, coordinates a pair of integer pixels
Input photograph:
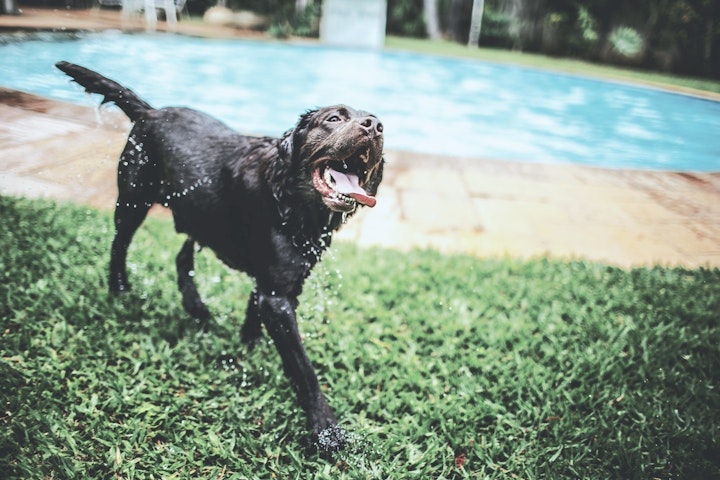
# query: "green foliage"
{"type": "Point", "coordinates": [697, 86]}
{"type": "Point", "coordinates": [626, 41]}
{"type": "Point", "coordinates": [405, 17]}
{"type": "Point", "coordinates": [286, 21]}
{"type": "Point", "coordinates": [582, 37]}
{"type": "Point", "coordinates": [438, 366]}
{"type": "Point", "coordinates": [587, 25]}
{"type": "Point", "coordinates": [556, 19]}
{"type": "Point", "coordinates": [499, 29]}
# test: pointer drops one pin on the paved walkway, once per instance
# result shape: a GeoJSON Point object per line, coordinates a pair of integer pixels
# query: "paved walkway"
{"type": "Point", "coordinates": [103, 19]}
{"type": "Point", "coordinates": [487, 208]}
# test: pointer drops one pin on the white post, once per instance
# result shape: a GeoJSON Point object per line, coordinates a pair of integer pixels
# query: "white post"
{"type": "Point", "coordinates": [354, 23]}
{"type": "Point", "coordinates": [150, 14]}
{"type": "Point", "coordinates": [476, 22]}
{"type": "Point", "coordinates": [170, 13]}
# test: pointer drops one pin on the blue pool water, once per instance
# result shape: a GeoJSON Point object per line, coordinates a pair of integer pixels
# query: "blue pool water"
{"type": "Point", "coordinates": [428, 104]}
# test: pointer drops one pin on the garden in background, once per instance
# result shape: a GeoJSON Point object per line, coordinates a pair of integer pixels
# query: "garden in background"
{"type": "Point", "coordinates": [671, 36]}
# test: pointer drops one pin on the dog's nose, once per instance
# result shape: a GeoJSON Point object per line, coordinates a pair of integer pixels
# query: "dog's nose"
{"type": "Point", "coordinates": [371, 125]}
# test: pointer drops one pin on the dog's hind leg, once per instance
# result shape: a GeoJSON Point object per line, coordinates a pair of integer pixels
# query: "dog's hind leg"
{"type": "Point", "coordinates": [128, 218]}
{"type": "Point", "coordinates": [251, 332]}
{"type": "Point", "coordinates": [137, 191]}
{"type": "Point", "coordinates": [186, 270]}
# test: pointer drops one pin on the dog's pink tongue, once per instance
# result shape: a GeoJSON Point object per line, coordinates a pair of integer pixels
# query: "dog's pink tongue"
{"type": "Point", "coordinates": [349, 184]}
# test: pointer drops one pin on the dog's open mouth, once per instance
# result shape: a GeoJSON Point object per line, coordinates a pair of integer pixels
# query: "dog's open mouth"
{"type": "Point", "coordinates": [339, 182]}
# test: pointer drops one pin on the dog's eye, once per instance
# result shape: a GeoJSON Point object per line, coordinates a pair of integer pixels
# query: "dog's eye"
{"type": "Point", "coordinates": [334, 118]}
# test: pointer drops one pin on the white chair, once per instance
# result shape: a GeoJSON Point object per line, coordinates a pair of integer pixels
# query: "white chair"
{"type": "Point", "coordinates": [172, 9]}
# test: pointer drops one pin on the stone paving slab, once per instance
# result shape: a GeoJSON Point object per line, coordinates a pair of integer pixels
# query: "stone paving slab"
{"type": "Point", "coordinates": [477, 206]}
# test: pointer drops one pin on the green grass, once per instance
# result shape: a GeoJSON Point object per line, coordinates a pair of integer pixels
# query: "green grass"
{"type": "Point", "coordinates": [439, 366]}
{"type": "Point", "coordinates": [698, 86]}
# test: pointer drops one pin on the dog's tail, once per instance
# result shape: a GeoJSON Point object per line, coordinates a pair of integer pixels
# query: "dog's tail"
{"type": "Point", "coordinates": [126, 99]}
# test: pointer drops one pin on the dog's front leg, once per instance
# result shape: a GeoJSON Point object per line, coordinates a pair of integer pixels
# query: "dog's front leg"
{"type": "Point", "coordinates": [278, 314]}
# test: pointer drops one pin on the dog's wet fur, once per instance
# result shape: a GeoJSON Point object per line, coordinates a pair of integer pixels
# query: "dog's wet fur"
{"type": "Point", "coordinates": [265, 206]}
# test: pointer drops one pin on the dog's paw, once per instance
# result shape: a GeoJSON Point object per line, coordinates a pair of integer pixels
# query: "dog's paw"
{"type": "Point", "coordinates": [250, 335]}
{"type": "Point", "coordinates": [119, 286]}
{"type": "Point", "coordinates": [331, 439]}
{"type": "Point", "coordinates": [197, 309]}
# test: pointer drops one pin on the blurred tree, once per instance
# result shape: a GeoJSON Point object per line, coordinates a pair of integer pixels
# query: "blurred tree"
{"type": "Point", "coordinates": [673, 35]}
{"type": "Point", "coordinates": [405, 17]}
{"type": "Point", "coordinates": [526, 20]}
{"type": "Point", "coordinates": [693, 28]}
{"type": "Point", "coordinates": [681, 36]}
{"type": "Point", "coordinates": [476, 22]}
{"type": "Point", "coordinates": [677, 35]}
{"type": "Point", "coordinates": [458, 22]}
{"type": "Point", "coordinates": [432, 21]}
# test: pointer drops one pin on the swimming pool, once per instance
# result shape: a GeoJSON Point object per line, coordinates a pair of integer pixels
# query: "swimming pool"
{"type": "Point", "coordinates": [428, 104]}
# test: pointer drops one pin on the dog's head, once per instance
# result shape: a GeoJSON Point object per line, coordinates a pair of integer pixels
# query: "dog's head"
{"type": "Point", "coordinates": [336, 153]}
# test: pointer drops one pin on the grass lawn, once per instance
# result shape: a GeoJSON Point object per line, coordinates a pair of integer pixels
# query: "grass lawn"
{"type": "Point", "coordinates": [439, 366]}
{"type": "Point", "coordinates": [558, 64]}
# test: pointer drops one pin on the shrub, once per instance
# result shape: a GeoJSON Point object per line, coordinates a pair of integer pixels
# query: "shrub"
{"type": "Point", "coordinates": [587, 25]}
{"type": "Point", "coordinates": [626, 42]}
{"type": "Point", "coordinates": [286, 21]}
{"type": "Point", "coordinates": [499, 29]}
{"type": "Point", "coordinates": [405, 18]}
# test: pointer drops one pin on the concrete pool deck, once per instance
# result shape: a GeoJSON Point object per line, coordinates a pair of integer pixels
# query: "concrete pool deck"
{"type": "Point", "coordinates": [482, 207]}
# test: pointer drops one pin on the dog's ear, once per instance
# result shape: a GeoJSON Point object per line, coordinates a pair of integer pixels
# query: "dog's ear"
{"type": "Point", "coordinates": [292, 141]}
{"type": "Point", "coordinates": [286, 148]}
{"type": "Point", "coordinates": [300, 131]}
{"type": "Point", "coordinates": [279, 175]}
{"type": "Point", "coordinates": [282, 171]}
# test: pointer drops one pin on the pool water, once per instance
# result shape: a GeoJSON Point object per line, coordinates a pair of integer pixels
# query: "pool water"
{"type": "Point", "coordinates": [428, 104]}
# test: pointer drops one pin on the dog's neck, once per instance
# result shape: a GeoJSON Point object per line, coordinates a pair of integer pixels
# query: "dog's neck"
{"type": "Point", "coordinates": [312, 233]}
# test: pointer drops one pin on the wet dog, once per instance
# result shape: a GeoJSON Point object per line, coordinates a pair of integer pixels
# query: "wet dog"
{"type": "Point", "coordinates": [265, 206]}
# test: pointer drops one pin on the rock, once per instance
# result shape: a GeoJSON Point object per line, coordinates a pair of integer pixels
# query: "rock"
{"type": "Point", "coordinates": [243, 19]}
{"type": "Point", "coordinates": [218, 16]}
{"type": "Point", "coordinates": [250, 20]}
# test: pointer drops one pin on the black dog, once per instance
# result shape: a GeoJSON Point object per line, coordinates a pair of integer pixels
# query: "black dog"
{"type": "Point", "coordinates": [266, 206]}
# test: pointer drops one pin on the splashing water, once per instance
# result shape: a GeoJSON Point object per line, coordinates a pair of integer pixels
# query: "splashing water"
{"type": "Point", "coordinates": [357, 453]}
{"type": "Point", "coordinates": [98, 113]}
{"type": "Point", "coordinates": [331, 439]}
